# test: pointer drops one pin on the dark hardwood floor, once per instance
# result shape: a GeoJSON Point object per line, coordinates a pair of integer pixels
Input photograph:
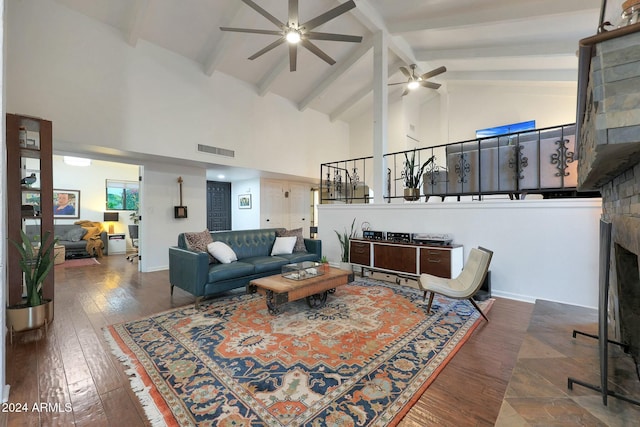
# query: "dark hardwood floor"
{"type": "Point", "coordinates": [71, 368]}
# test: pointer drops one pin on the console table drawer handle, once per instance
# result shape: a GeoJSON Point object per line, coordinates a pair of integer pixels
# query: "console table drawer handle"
{"type": "Point", "coordinates": [434, 260]}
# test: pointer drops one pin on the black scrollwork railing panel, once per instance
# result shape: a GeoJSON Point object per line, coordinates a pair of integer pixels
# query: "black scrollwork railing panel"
{"type": "Point", "coordinates": [518, 162]}
{"type": "Point", "coordinates": [463, 168]}
{"type": "Point", "coordinates": [433, 173]}
{"type": "Point", "coordinates": [562, 157]}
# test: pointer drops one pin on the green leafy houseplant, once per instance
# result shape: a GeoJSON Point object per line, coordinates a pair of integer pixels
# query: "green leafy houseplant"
{"type": "Point", "coordinates": [344, 240]}
{"type": "Point", "coordinates": [413, 172]}
{"type": "Point", "coordinates": [133, 216]}
{"type": "Point", "coordinates": [35, 264]}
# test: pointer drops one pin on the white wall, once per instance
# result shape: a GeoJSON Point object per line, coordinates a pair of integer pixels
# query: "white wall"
{"type": "Point", "coordinates": [543, 249]}
{"type": "Point", "coordinates": [473, 106]}
{"type": "Point", "coordinates": [245, 219]}
{"type": "Point", "coordinates": [99, 91]}
{"type": "Point", "coordinates": [160, 194]}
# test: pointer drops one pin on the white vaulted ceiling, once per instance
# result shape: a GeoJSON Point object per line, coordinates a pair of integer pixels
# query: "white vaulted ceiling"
{"type": "Point", "coordinates": [480, 40]}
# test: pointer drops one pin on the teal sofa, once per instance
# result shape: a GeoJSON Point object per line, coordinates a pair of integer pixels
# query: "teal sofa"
{"type": "Point", "coordinates": [192, 271]}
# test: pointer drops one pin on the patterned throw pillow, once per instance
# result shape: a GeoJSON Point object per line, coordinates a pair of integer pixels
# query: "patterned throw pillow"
{"type": "Point", "coordinates": [299, 247]}
{"type": "Point", "coordinates": [198, 242]}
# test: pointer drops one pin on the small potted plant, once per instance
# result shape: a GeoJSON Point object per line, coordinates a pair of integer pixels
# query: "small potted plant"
{"type": "Point", "coordinates": [36, 263]}
{"type": "Point", "coordinates": [412, 175]}
{"type": "Point", "coordinates": [344, 245]}
{"type": "Point", "coordinates": [324, 264]}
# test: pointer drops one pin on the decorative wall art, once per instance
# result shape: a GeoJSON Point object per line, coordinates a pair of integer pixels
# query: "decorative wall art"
{"type": "Point", "coordinates": [244, 201]}
{"type": "Point", "coordinates": [66, 204]}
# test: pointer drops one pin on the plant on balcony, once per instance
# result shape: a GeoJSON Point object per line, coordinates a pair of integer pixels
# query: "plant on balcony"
{"type": "Point", "coordinates": [412, 175]}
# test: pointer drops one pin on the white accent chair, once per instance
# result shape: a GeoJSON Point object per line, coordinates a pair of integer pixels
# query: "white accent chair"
{"type": "Point", "coordinates": [465, 285]}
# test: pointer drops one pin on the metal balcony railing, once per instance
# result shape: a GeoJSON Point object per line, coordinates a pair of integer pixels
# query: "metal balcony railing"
{"type": "Point", "coordinates": [538, 161]}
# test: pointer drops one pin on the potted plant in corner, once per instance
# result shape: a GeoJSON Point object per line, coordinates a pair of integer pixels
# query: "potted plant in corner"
{"type": "Point", "coordinates": [36, 263]}
{"type": "Point", "coordinates": [412, 175]}
{"type": "Point", "coordinates": [344, 245]}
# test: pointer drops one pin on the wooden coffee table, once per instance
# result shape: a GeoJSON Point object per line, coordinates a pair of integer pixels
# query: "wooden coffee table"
{"type": "Point", "coordinates": [279, 290]}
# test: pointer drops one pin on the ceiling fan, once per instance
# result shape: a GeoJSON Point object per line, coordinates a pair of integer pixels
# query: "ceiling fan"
{"type": "Point", "coordinates": [296, 33]}
{"type": "Point", "coordinates": [415, 81]}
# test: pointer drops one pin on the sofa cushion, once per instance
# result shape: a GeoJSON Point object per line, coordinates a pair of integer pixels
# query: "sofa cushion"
{"type": "Point", "coordinates": [264, 264]}
{"type": "Point", "coordinates": [77, 246]}
{"type": "Point", "coordinates": [74, 235]}
{"type": "Point", "coordinates": [299, 257]}
{"type": "Point", "coordinates": [247, 243]}
{"type": "Point", "coordinates": [299, 247]}
{"type": "Point", "coordinates": [219, 272]}
{"type": "Point", "coordinates": [283, 245]}
{"type": "Point", "coordinates": [222, 252]}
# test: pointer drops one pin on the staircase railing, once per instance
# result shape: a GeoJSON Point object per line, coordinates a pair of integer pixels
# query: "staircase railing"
{"type": "Point", "coordinates": [539, 161]}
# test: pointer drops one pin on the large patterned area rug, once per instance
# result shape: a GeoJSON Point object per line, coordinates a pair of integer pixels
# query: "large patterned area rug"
{"type": "Point", "coordinates": [361, 360]}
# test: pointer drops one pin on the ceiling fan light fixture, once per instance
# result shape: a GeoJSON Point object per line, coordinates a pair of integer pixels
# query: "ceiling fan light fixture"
{"type": "Point", "coordinates": [413, 85]}
{"type": "Point", "coordinates": [293, 36]}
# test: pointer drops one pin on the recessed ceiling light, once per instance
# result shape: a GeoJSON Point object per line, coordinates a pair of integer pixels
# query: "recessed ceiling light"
{"type": "Point", "coordinates": [220, 176]}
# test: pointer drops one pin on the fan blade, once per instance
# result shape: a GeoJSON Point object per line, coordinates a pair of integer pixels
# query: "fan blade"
{"type": "Point", "coordinates": [316, 50]}
{"type": "Point", "coordinates": [430, 85]}
{"type": "Point", "coordinates": [268, 48]}
{"type": "Point", "coordinates": [293, 56]}
{"type": "Point", "coordinates": [293, 12]}
{"type": "Point", "coordinates": [249, 30]}
{"type": "Point", "coordinates": [406, 91]}
{"type": "Point", "coordinates": [433, 73]}
{"type": "Point", "coordinates": [334, 37]}
{"type": "Point", "coordinates": [394, 84]}
{"type": "Point", "coordinates": [406, 72]}
{"type": "Point", "coordinates": [264, 13]}
{"type": "Point", "coordinates": [328, 16]}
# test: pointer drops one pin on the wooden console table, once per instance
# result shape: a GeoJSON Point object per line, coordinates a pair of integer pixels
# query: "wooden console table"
{"type": "Point", "coordinates": [406, 259]}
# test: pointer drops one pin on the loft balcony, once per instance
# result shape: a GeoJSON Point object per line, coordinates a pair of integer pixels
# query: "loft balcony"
{"type": "Point", "coordinates": [540, 161]}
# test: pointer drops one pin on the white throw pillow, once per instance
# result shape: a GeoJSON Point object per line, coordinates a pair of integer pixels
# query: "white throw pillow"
{"type": "Point", "coordinates": [222, 252]}
{"type": "Point", "coordinates": [283, 245]}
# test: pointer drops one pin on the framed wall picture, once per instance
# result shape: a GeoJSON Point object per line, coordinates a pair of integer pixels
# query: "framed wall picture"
{"type": "Point", "coordinates": [66, 204]}
{"type": "Point", "coordinates": [244, 201]}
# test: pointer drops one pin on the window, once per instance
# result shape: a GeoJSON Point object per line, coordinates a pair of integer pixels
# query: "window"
{"type": "Point", "coordinates": [122, 195]}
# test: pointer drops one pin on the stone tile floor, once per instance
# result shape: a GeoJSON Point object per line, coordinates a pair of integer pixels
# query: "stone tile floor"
{"type": "Point", "coordinates": [537, 394]}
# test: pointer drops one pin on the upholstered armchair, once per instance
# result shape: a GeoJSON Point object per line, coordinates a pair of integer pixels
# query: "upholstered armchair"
{"type": "Point", "coordinates": [465, 285]}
